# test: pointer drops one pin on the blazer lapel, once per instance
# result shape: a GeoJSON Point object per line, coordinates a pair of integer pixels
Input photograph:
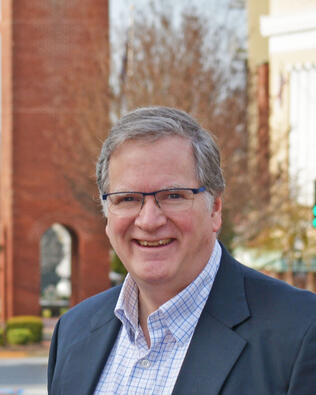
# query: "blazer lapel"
{"type": "Point", "coordinates": [87, 358]}
{"type": "Point", "coordinates": [215, 346]}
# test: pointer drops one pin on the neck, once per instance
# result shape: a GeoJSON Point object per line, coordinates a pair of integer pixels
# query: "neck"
{"type": "Point", "coordinates": [152, 296]}
{"type": "Point", "coordinates": [148, 302]}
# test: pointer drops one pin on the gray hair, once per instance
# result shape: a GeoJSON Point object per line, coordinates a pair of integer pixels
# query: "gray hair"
{"type": "Point", "coordinates": [153, 123]}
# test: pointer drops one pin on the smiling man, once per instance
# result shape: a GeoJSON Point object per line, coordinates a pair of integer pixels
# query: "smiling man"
{"type": "Point", "coordinates": [189, 319]}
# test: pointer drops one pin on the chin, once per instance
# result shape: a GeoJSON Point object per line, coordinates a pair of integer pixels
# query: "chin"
{"type": "Point", "coordinates": [159, 278]}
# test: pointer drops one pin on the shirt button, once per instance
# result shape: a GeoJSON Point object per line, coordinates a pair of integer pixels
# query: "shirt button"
{"type": "Point", "coordinates": [145, 363]}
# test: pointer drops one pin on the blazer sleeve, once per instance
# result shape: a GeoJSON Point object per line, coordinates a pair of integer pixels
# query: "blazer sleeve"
{"type": "Point", "coordinates": [303, 377]}
{"type": "Point", "coordinates": [52, 358]}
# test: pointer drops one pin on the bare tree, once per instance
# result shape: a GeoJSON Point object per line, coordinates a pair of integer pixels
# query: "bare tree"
{"type": "Point", "coordinates": [180, 66]}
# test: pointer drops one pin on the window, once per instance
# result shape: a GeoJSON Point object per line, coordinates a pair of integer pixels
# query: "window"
{"type": "Point", "coordinates": [302, 138]}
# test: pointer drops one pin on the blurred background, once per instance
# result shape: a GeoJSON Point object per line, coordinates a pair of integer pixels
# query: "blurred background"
{"type": "Point", "coordinates": [69, 69]}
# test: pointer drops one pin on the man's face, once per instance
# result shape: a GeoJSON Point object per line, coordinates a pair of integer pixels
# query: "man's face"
{"type": "Point", "coordinates": [186, 238]}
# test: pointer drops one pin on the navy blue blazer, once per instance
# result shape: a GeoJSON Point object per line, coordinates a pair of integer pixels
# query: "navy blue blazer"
{"type": "Point", "coordinates": [256, 336]}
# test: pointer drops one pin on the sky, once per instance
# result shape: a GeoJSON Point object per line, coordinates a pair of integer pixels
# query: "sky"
{"type": "Point", "coordinates": [119, 9]}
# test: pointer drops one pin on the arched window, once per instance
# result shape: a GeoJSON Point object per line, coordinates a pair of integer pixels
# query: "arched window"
{"type": "Point", "coordinates": [55, 256]}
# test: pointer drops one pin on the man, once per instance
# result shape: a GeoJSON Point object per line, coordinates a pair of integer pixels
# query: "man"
{"type": "Point", "coordinates": [188, 319]}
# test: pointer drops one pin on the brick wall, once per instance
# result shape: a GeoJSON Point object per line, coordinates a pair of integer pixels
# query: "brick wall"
{"type": "Point", "coordinates": [44, 44]}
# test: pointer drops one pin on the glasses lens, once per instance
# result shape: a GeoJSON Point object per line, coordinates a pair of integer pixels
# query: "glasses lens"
{"type": "Point", "coordinates": [175, 199]}
{"type": "Point", "coordinates": [125, 203]}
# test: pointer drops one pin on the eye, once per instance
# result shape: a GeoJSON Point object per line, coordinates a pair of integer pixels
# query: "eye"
{"type": "Point", "coordinates": [170, 195]}
{"type": "Point", "coordinates": [128, 198]}
{"type": "Point", "coordinates": [175, 195]}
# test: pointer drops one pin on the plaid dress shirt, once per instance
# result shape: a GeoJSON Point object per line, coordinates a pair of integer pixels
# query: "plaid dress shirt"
{"type": "Point", "coordinates": [133, 368]}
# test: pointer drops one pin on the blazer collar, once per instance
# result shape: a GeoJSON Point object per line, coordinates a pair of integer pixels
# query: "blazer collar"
{"type": "Point", "coordinates": [215, 346]}
{"type": "Point", "coordinates": [87, 357]}
{"type": "Point", "coordinates": [106, 313]}
{"type": "Point", "coordinates": [227, 302]}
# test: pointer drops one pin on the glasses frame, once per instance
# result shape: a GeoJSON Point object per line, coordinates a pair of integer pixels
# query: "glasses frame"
{"type": "Point", "coordinates": [144, 194]}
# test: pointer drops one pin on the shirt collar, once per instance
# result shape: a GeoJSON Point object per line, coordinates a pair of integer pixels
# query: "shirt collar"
{"type": "Point", "coordinates": [126, 309]}
{"type": "Point", "coordinates": [179, 314]}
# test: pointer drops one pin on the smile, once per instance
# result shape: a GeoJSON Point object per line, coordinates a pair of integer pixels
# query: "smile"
{"type": "Point", "coordinates": [158, 243]}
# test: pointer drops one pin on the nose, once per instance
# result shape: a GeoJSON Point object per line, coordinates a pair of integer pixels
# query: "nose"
{"type": "Point", "coordinates": [150, 216]}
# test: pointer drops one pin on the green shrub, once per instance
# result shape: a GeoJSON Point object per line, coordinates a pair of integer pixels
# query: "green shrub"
{"type": "Point", "coordinates": [46, 313]}
{"type": "Point", "coordinates": [19, 336]}
{"type": "Point", "coordinates": [1, 336]}
{"type": "Point", "coordinates": [34, 324]}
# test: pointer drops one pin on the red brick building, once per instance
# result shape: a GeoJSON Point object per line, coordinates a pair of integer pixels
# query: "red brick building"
{"type": "Point", "coordinates": [44, 45]}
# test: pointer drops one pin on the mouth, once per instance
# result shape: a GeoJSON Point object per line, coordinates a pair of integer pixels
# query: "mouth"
{"type": "Point", "coordinates": [156, 243]}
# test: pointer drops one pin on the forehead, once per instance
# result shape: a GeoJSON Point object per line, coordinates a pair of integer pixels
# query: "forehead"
{"type": "Point", "coordinates": [160, 146]}
{"type": "Point", "coordinates": [160, 163]}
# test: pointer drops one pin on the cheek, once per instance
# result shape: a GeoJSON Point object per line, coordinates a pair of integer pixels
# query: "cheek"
{"type": "Point", "coordinates": [185, 224]}
{"type": "Point", "coordinates": [116, 228]}
{"type": "Point", "coordinates": [203, 226]}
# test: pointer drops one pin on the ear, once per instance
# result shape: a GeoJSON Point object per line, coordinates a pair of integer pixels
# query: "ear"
{"type": "Point", "coordinates": [217, 214]}
{"type": "Point", "coordinates": [107, 229]}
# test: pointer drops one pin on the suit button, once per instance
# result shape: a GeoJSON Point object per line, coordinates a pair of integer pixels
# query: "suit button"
{"type": "Point", "coordinates": [145, 363]}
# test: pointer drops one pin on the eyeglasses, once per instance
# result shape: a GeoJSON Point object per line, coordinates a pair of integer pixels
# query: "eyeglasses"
{"type": "Point", "coordinates": [168, 200]}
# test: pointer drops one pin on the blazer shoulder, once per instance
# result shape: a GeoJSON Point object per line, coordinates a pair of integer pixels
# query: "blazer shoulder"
{"type": "Point", "coordinates": [267, 296]}
{"type": "Point", "coordinates": [102, 304]}
{"type": "Point", "coordinates": [279, 296]}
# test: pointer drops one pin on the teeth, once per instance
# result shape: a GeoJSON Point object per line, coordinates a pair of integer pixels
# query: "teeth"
{"type": "Point", "coordinates": [146, 243]}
